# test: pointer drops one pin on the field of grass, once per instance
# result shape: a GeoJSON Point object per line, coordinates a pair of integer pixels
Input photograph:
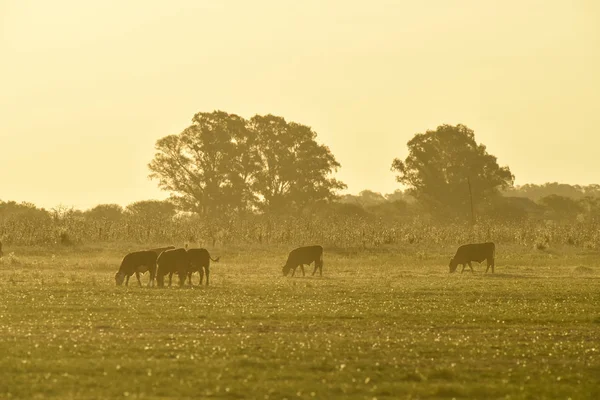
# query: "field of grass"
{"type": "Point", "coordinates": [390, 324]}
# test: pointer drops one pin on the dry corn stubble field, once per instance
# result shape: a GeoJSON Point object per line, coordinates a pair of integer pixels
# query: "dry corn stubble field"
{"type": "Point", "coordinates": [385, 324]}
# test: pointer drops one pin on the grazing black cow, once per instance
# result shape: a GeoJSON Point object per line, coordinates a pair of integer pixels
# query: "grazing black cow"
{"type": "Point", "coordinates": [171, 262]}
{"type": "Point", "coordinates": [137, 262]}
{"type": "Point", "coordinates": [474, 252]}
{"type": "Point", "coordinates": [199, 261]}
{"type": "Point", "coordinates": [304, 255]}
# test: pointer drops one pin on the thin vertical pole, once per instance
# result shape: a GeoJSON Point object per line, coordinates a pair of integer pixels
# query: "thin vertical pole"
{"type": "Point", "coordinates": [471, 199]}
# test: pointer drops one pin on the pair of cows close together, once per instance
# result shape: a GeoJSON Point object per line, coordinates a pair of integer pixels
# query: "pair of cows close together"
{"type": "Point", "coordinates": [165, 261]}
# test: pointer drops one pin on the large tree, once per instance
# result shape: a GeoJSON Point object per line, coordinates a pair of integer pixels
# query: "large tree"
{"type": "Point", "coordinates": [225, 163]}
{"type": "Point", "coordinates": [294, 169]}
{"type": "Point", "coordinates": [444, 167]}
{"type": "Point", "coordinates": [209, 167]}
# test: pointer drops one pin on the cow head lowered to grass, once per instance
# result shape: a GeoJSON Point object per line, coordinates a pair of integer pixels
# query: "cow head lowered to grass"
{"type": "Point", "coordinates": [137, 262]}
{"type": "Point", "coordinates": [119, 278]}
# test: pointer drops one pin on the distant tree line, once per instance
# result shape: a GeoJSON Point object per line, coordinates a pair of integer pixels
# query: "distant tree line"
{"type": "Point", "coordinates": [24, 223]}
{"type": "Point", "coordinates": [344, 224]}
{"type": "Point", "coordinates": [537, 192]}
{"type": "Point", "coordinates": [511, 206]}
{"type": "Point", "coordinates": [268, 180]}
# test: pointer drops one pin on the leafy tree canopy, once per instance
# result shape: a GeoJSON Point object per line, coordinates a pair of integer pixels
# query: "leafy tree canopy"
{"type": "Point", "coordinates": [294, 169]}
{"type": "Point", "coordinates": [223, 163]}
{"type": "Point", "coordinates": [442, 164]}
{"type": "Point", "coordinates": [209, 166]}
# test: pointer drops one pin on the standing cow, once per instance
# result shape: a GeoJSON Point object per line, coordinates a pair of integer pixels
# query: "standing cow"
{"type": "Point", "coordinates": [474, 252]}
{"type": "Point", "coordinates": [171, 262]}
{"type": "Point", "coordinates": [304, 255]}
{"type": "Point", "coordinates": [199, 260]}
{"type": "Point", "coordinates": [137, 262]}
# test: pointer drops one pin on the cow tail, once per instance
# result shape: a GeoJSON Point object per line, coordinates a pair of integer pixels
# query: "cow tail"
{"type": "Point", "coordinates": [215, 259]}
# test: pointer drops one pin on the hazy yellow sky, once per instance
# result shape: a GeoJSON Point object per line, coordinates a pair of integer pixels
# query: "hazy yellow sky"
{"type": "Point", "coordinates": [87, 87]}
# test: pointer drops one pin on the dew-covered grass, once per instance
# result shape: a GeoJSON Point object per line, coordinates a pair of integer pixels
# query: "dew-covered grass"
{"type": "Point", "coordinates": [382, 324]}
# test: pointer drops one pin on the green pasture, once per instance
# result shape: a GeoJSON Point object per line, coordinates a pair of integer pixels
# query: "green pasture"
{"type": "Point", "coordinates": [385, 324]}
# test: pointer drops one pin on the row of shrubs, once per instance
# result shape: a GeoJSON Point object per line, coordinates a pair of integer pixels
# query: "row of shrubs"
{"type": "Point", "coordinates": [32, 226]}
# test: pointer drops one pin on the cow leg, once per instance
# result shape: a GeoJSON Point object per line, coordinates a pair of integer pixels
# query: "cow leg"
{"type": "Point", "coordinates": [470, 266]}
{"type": "Point", "coordinates": [294, 271]}
{"type": "Point", "coordinates": [318, 265]}
{"type": "Point", "coordinates": [207, 273]}
{"type": "Point", "coordinates": [463, 268]}
{"type": "Point", "coordinates": [182, 277]}
{"type": "Point", "coordinates": [137, 275]}
{"type": "Point", "coordinates": [170, 278]}
{"type": "Point", "coordinates": [127, 281]}
{"type": "Point", "coordinates": [302, 266]}
{"type": "Point", "coordinates": [162, 280]}
{"type": "Point", "coordinates": [152, 277]}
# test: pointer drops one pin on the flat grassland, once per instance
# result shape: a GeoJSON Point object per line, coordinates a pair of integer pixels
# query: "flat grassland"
{"type": "Point", "coordinates": [385, 324]}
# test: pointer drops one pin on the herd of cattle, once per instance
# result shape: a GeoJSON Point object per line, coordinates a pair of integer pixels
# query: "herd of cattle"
{"type": "Point", "coordinates": [164, 261]}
